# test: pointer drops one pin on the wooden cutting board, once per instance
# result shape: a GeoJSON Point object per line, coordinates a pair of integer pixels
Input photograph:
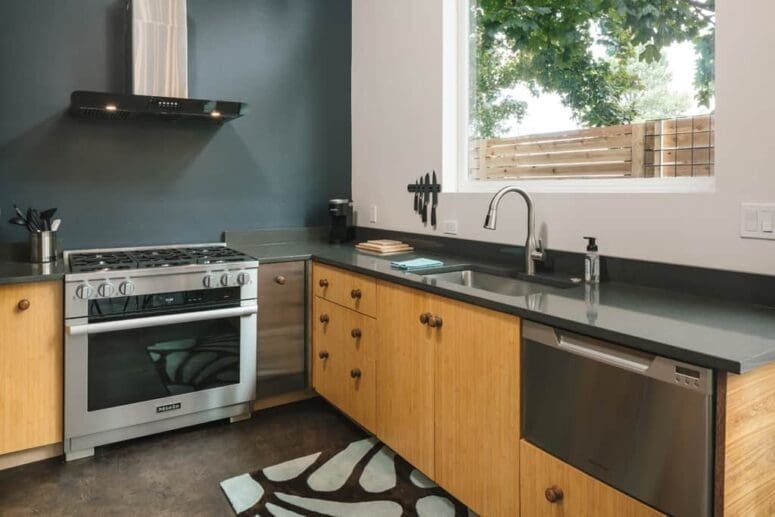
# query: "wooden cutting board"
{"type": "Point", "coordinates": [384, 246]}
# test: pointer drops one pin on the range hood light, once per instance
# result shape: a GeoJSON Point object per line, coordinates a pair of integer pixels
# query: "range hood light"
{"type": "Point", "coordinates": [110, 107]}
{"type": "Point", "coordinates": [215, 114]}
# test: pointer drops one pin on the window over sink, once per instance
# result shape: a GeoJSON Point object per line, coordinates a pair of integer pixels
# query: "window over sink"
{"type": "Point", "coordinates": [586, 90]}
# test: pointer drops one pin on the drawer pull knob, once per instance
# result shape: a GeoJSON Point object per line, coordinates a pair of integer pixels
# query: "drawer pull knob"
{"type": "Point", "coordinates": [356, 333]}
{"type": "Point", "coordinates": [435, 322]}
{"type": "Point", "coordinates": [280, 279]}
{"type": "Point", "coordinates": [425, 317]}
{"type": "Point", "coordinates": [323, 282]}
{"type": "Point", "coordinates": [553, 494]}
{"type": "Point", "coordinates": [355, 373]}
{"type": "Point", "coordinates": [355, 294]}
{"type": "Point", "coordinates": [323, 355]}
{"type": "Point", "coordinates": [324, 318]}
{"type": "Point", "coordinates": [23, 305]}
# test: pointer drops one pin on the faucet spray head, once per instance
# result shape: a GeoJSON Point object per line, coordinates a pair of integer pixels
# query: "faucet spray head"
{"type": "Point", "coordinates": [491, 219]}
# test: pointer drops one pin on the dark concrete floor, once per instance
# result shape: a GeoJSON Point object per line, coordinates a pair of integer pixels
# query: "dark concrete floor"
{"type": "Point", "coordinates": [175, 473]}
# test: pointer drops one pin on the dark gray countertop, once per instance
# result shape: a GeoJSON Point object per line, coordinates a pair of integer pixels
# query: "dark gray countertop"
{"type": "Point", "coordinates": [16, 269]}
{"type": "Point", "coordinates": [702, 331]}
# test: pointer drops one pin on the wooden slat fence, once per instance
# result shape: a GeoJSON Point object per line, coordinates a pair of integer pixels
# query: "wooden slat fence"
{"type": "Point", "coordinates": [675, 147]}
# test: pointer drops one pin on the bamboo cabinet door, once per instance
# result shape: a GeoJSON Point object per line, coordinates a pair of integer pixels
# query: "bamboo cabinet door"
{"type": "Point", "coordinates": [31, 379]}
{"type": "Point", "coordinates": [477, 406]}
{"type": "Point", "coordinates": [405, 388]}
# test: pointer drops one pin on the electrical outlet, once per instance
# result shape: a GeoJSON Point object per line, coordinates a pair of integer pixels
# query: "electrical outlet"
{"type": "Point", "coordinates": [757, 221]}
{"type": "Point", "coordinates": [450, 227]}
{"type": "Point", "coordinates": [373, 214]}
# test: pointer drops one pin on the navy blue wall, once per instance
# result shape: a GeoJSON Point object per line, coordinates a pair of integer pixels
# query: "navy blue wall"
{"type": "Point", "coordinates": [153, 182]}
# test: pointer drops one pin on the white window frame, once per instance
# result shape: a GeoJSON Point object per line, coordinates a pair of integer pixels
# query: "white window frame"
{"type": "Point", "coordinates": [456, 178]}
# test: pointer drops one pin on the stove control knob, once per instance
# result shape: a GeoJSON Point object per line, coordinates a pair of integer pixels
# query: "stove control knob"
{"type": "Point", "coordinates": [225, 279]}
{"type": "Point", "coordinates": [126, 288]}
{"type": "Point", "coordinates": [105, 289]}
{"type": "Point", "coordinates": [84, 291]}
{"type": "Point", "coordinates": [243, 278]}
{"type": "Point", "coordinates": [207, 281]}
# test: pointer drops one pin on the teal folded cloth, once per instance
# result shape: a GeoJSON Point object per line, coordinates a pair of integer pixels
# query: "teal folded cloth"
{"type": "Point", "coordinates": [414, 264]}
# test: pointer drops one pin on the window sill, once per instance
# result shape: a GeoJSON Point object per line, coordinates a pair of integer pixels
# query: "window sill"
{"type": "Point", "coordinates": [593, 186]}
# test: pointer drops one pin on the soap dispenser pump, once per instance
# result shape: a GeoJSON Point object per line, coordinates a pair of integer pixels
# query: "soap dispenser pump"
{"type": "Point", "coordinates": [592, 262]}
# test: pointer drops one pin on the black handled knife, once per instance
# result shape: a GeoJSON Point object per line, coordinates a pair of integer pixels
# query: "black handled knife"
{"type": "Point", "coordinates": [427, 191]}
{"type": "Point", "coordinates": [435, 201]}
{"type": "Point", "coordinates": [416, 203]}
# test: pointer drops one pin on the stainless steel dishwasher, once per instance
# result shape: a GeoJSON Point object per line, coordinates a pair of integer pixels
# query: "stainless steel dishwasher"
{"type": "Point", "coordinates": [282, 337]}
{"type": "Point", "coordinates": [641, 423]}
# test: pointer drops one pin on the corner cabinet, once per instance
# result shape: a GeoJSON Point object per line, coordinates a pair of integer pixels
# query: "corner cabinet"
{"type": "Point", "coordinates": [31, 368]}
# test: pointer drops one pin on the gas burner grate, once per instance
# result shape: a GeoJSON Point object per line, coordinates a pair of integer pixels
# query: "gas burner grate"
{"type": "Point", "coordinates": [154, 258]}
{"type": "Point", "coordinates": [107, 261]}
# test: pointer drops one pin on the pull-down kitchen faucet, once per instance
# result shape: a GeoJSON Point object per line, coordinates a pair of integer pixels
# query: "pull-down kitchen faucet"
{"type": "Point", "coordinates": [533, 249]}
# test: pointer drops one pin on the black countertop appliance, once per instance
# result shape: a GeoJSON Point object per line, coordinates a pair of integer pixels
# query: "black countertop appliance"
{"type": "Point", "coordinates": [341, 211]}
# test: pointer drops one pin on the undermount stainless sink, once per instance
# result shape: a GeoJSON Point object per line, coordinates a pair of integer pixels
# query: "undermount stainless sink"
{"type": "Point", "coordinates": [497, 283]}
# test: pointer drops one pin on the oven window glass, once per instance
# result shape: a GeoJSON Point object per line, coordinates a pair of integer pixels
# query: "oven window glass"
{"type": "Point", "coordinates": [138, 365]}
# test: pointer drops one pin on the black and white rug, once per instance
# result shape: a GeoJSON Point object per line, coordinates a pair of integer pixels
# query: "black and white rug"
{"type": "Point", "coordinates": [365, 478]}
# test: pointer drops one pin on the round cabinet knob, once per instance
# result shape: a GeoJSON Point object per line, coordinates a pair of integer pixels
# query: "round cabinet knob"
{"type": "Point", "coordinates": [553, 494]}
{"type": "Point", "coordinates": [435, 322]}
{"type": "Point", "coordinates": [23, 305]}
{"type": "Point", "coordinates": [280, 279]}
{"type": "Point", "coordinates": [225, 279]}
{"type": "Point", "coordinates": [207, 281]}
{"type": "Point", "coordinates": [425, 317]}
{"type": "Point", "coordinates": [105, 289]}
{"type": "Point", "coordinates": [355, 373]}
{"type": "Point", "coordinates": [355, 294]}
{"type": "Point", "coordinates": [243, 278]}
{"type": "Point", "coordinates": [323, 355]}
{"type": "Point", "coordinates": [84, 291]}
{"type": "Point", "coordinates": [323, 282]}
{"type": "Point", "coordinates": [126, 288]}
{"type": "Point", "coordinates": [324, 318]}
{"type": "Point", "coordinates": [356, 333]}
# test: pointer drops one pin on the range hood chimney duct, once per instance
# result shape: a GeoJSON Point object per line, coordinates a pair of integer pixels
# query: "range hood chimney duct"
{"type": "Point", "coordinates": [159, 48]}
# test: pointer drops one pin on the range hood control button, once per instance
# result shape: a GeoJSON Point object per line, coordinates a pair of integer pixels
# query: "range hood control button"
{"type": "Point", "coordinates": [105, 289]}
{"type": "Point", "coordinates": [84, 291]}
{"type": "Point", "coordinates": [225, 279]}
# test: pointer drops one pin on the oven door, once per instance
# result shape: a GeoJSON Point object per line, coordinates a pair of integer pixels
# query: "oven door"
{"type": "Point", "coordinates": [131, 371]}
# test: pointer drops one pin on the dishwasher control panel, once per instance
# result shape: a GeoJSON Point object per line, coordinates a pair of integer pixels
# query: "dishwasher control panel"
{"type": "Point", "coordinates": [687, 376]}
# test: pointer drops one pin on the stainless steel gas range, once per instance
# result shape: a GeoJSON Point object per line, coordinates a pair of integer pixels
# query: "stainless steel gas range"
{"type": "Point", "coordinates": [156, 339]}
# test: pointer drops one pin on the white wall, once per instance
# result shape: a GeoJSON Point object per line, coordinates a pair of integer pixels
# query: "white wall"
{"type": "Point", "coordinates": [397, 135]}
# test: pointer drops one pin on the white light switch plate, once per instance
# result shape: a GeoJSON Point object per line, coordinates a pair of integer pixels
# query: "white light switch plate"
{"type": "Point", "coordinates": [450, 227]}
{"type": "Point", "coordinates": [757, 221]}
{"type": "Point", "coordinates": [373, 214]}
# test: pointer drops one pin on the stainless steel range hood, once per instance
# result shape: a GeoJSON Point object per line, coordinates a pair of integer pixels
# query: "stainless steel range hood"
{"type": "Point", "coordinates": [158, 70]}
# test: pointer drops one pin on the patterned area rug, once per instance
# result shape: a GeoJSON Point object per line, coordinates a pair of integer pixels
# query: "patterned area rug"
{"type": "Point", "coordinates": [365, 478]}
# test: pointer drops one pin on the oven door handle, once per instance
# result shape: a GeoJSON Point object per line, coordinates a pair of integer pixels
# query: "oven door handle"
{"type": "Point", "coordinates": [156, 321]}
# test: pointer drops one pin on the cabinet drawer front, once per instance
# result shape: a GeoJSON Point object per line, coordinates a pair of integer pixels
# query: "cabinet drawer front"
{"type": "Point", "coordinates": [343, 359]}
{"type": "Point", "coordinates": [31, 352]}
{"type": "Point", "coordinates": [350, 290]}
{"type": "Point", "coordinates": [544, 477]}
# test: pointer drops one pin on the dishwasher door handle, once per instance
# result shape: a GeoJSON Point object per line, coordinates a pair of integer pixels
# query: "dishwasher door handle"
{"type": "Point", "coordinates": [604, 354]}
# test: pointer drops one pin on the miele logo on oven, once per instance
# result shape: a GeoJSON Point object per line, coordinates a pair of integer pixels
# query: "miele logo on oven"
{"type": "Point", "coordinates": [168, 407]}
